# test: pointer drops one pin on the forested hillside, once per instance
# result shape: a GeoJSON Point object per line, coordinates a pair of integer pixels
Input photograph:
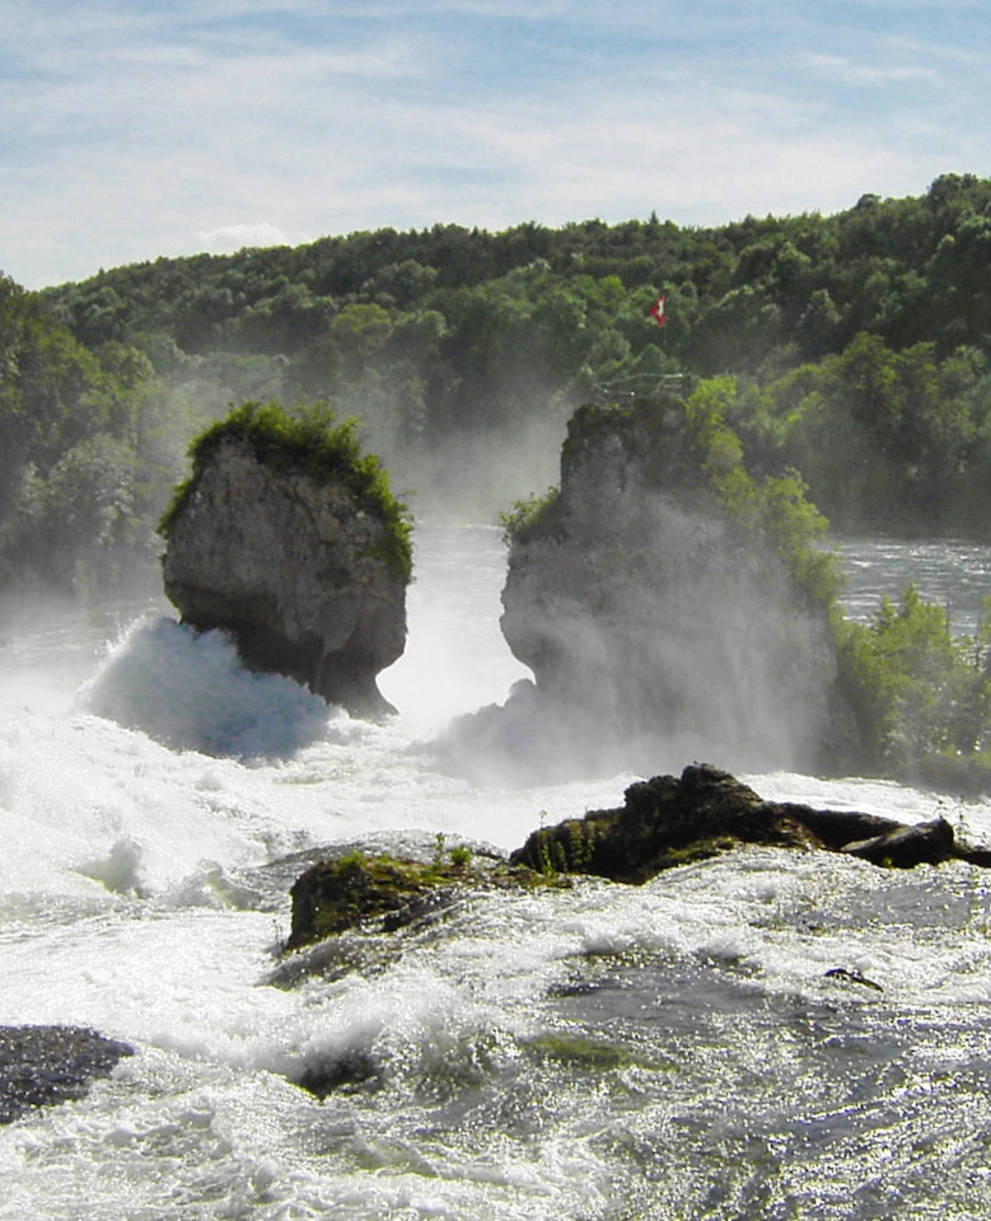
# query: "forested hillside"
{"type": "Point", "coordinates": [853, 348]}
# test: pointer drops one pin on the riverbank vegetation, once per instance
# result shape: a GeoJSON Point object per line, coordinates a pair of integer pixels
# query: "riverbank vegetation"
{"type": "Point", "coordinates": [922, 696]}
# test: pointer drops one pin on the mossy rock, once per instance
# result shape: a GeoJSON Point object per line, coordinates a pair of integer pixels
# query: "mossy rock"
{"type": "Point", "coordinates": [287, 538]}
{"type": "Point", "coordinates": [312, 440]}
{"type": "Point", "coordinates": [666, 821]}
{"type": "Point", "coordinates": [389, 892]}
{"type": "Point", "coordinates": [673, 820]}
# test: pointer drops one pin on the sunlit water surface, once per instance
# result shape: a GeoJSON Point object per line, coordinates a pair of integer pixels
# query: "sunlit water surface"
{"type": "Point", "coordinates": [673, 1050]}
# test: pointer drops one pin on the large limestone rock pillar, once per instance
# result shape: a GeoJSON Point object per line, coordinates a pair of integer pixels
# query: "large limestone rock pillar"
{"type": "Point", "coordinates": [292, 565]}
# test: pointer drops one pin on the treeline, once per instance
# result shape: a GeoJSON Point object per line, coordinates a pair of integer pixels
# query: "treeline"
{"type": "Point", "coordinates": [851, 347]}
{"type": "Point", "coordinates": [87, 453]}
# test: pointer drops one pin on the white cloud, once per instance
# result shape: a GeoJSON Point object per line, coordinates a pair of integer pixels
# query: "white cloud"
{"type": "Point", "coordinates": [228, 238]}
{"type": "Point", "coordinates": [841, 69]}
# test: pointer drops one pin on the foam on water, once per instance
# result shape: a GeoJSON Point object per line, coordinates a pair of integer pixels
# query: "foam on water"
{"type": "Point", "coordinates": [189, 691]}
{"type": "Point", "coordinates": [701, 1045]}
{"type": "Point", "coordinates": [474, 1091]}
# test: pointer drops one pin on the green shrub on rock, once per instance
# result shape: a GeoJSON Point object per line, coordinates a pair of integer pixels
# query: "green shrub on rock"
{"type": "Point", "coordinates": [389, 892]}
{"type": "Point", "coordinates": [309, 437]}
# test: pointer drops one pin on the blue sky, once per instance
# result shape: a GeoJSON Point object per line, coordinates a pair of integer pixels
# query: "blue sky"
{"type": "Point", "coordinates": [133, 130]}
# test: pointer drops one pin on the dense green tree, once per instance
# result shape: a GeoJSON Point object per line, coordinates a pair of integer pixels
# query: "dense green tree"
{"type": "Point", "coordinates": [72, 427]}
{"type": "Point", "coordinates": [919, 693]}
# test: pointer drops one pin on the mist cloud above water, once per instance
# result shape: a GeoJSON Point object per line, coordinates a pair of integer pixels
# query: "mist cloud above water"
{"type": "Point", "coordinates": [656, 640]}
{"type": "Point", "coordinates": [189, 691]}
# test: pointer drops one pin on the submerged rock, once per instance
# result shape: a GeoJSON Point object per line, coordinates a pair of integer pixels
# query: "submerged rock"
{"type": "Point", "coordinates": [853, 977]}
{"type": "Point", "coordinates": [42, 1065]}
{"type": "Point", "coordinates": [291, 543]}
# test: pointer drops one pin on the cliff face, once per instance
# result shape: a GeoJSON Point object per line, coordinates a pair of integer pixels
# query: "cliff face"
{"type": "Point", "coordinates": [642, 611]}
{"type": "Point", "coordinates": [293, 567]}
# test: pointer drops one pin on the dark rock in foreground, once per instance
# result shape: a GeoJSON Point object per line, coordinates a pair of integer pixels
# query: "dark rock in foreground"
{"type": "Point", "coordinates": [926, 843]}
{"type": "Point", "coordinates": [42, 1065]}
{"type": "Point", "coordinates": [302, 564]}
{"type": "Point", "coordinates": [668, 821]}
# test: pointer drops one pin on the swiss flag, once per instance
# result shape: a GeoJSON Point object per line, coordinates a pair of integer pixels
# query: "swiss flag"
{"type": "Point", "coordinates": [658, 311]}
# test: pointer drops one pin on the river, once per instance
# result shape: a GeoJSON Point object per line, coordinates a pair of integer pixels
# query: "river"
{"type": "Point", "coordinates": [676, 1050]}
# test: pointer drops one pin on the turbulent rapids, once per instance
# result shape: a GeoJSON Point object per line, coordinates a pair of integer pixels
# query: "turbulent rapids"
{"type": "Point", "coordinates": [764, 1034]}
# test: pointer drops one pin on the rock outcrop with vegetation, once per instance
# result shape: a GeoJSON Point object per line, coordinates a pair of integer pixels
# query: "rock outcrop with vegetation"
{"type": "Point", "coordinates": [456, 345]}
{"type": "Point", "coordinates": [665, 596]}
{"type": "Point", "coordinates": [672, 820]}
{"type": "Point", "coordinates": [664, 822]}
{"type": "Point", "coordinates": [340, 893]}
{"type": "Point", "coordinates": [288, 538]}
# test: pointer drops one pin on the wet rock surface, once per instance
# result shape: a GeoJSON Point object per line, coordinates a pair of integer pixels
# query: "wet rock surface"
{"type": "Point", "coordinates": [927, 843]}
{"type": "Point", "coordinates": [664, 822]}
{"type": "Point", "coordinates": [390, 892]}
{"type": "Point", "coordinates": [44, 1065]}
{"type": "Point", "coordinates": [669, 821]}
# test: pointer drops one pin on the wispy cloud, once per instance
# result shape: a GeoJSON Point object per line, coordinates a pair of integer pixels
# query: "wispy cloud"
{"type": "Point", "coordinates": [841, 70]}
{"type": "Point", "coordinates": [132, 131]}
{"type": "Point", "coordinates": [228, 238]}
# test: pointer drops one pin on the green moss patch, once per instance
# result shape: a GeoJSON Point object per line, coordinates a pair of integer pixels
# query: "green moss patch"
{"type": "Point", "coordinates": [311, 440]}
{"type": "Point", "coordinates": [336, 895]}
{"type": "Point", "coordinates": [593, 1055]}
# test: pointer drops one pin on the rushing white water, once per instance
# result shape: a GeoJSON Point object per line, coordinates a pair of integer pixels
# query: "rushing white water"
{"type": "Point", "coordinates": [673, 1050]}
